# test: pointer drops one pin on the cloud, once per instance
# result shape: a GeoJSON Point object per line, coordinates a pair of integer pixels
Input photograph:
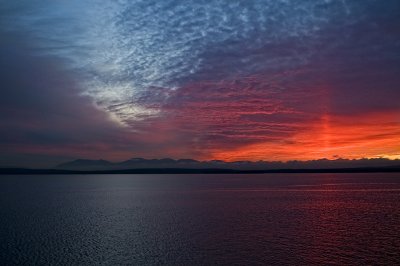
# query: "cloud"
{"type": "Point", "coordinates": [46, 120]}
{"type": "Point", "coordinates": [126, 48]}
{"type": "Point", "coordinates": [247, 80]}
{"type": "Point", "coordinates": [361, 136]}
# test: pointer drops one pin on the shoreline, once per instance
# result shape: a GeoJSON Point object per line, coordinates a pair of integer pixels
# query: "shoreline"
{"type": "Point", "coordinates": [27, 171]}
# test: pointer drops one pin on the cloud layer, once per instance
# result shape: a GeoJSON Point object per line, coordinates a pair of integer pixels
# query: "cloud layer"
{"type": "Point", "coordinates": [204, 79]}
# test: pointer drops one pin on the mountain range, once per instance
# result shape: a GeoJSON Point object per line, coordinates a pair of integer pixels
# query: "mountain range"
{"type": "Point", "coordinates": [168, 163]}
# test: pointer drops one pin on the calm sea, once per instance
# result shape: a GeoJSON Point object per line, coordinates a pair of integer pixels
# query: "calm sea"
{"type": "Point", "coordinates": [279, 219]}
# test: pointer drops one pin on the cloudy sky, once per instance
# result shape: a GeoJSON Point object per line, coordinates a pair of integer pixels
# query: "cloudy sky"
{"type": "Point", "coordinates": [230, 80]}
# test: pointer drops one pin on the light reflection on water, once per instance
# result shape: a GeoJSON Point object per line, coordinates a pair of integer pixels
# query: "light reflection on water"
{"type": "Point", "coordinates": [200, 219]}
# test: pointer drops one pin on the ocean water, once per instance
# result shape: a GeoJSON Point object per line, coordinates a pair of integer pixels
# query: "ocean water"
{"type": "Point", "coordinates": [263, 219]}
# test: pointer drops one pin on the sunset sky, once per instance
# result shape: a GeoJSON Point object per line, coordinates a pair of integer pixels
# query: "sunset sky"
{"type": "Point", "coordinates": [271, 80]}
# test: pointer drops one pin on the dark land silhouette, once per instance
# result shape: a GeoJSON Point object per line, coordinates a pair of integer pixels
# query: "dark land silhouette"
{"type": "Point", "coordinates": [190, 166]}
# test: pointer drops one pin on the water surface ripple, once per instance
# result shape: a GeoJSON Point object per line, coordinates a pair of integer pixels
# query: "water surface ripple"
{"type": "Point", "coordinates": [281, 219]}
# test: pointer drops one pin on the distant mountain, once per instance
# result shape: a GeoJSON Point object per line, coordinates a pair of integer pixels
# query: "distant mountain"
{"type": "Point", "coordinates": [83, 164]}
{"type": "Point", "coordinates": [25, 171]}
{"type": "Point", "coordinates": [134, 163]}
{"type": "Point", "coordinates": [168, 163]}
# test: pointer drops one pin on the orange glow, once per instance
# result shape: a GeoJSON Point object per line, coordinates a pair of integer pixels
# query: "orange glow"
{"type": "Point", "coordinates": [363, 136]}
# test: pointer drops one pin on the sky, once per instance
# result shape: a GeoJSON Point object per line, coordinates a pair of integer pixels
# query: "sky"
{"type": "Point", "coordinates": [272, 80]}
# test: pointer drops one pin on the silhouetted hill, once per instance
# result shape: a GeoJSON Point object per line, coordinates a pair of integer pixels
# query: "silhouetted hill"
{"type": "Point", "coordinates": [167, 163]}
{"type": "Point", "coordinates": [85, 164]}
{"type": "Point", "coordinates": [25, 171]}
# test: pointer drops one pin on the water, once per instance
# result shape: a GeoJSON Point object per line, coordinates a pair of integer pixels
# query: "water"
{"type": "Point", "coordinates": [282, 219]}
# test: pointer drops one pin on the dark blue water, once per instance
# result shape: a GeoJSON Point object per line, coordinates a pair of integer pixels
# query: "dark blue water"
{"type": "Point", "coordinates": [282, 219]}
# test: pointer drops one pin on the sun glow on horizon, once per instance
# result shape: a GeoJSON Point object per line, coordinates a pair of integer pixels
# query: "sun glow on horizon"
{"type": "Point", "coordinates": [331, 138]}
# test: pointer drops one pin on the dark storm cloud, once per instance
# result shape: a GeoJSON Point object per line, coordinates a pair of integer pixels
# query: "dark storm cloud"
{"type": "Point", "coordinates": [44, 117]}
{"type": "Point", "coordinates": [39, 106]}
